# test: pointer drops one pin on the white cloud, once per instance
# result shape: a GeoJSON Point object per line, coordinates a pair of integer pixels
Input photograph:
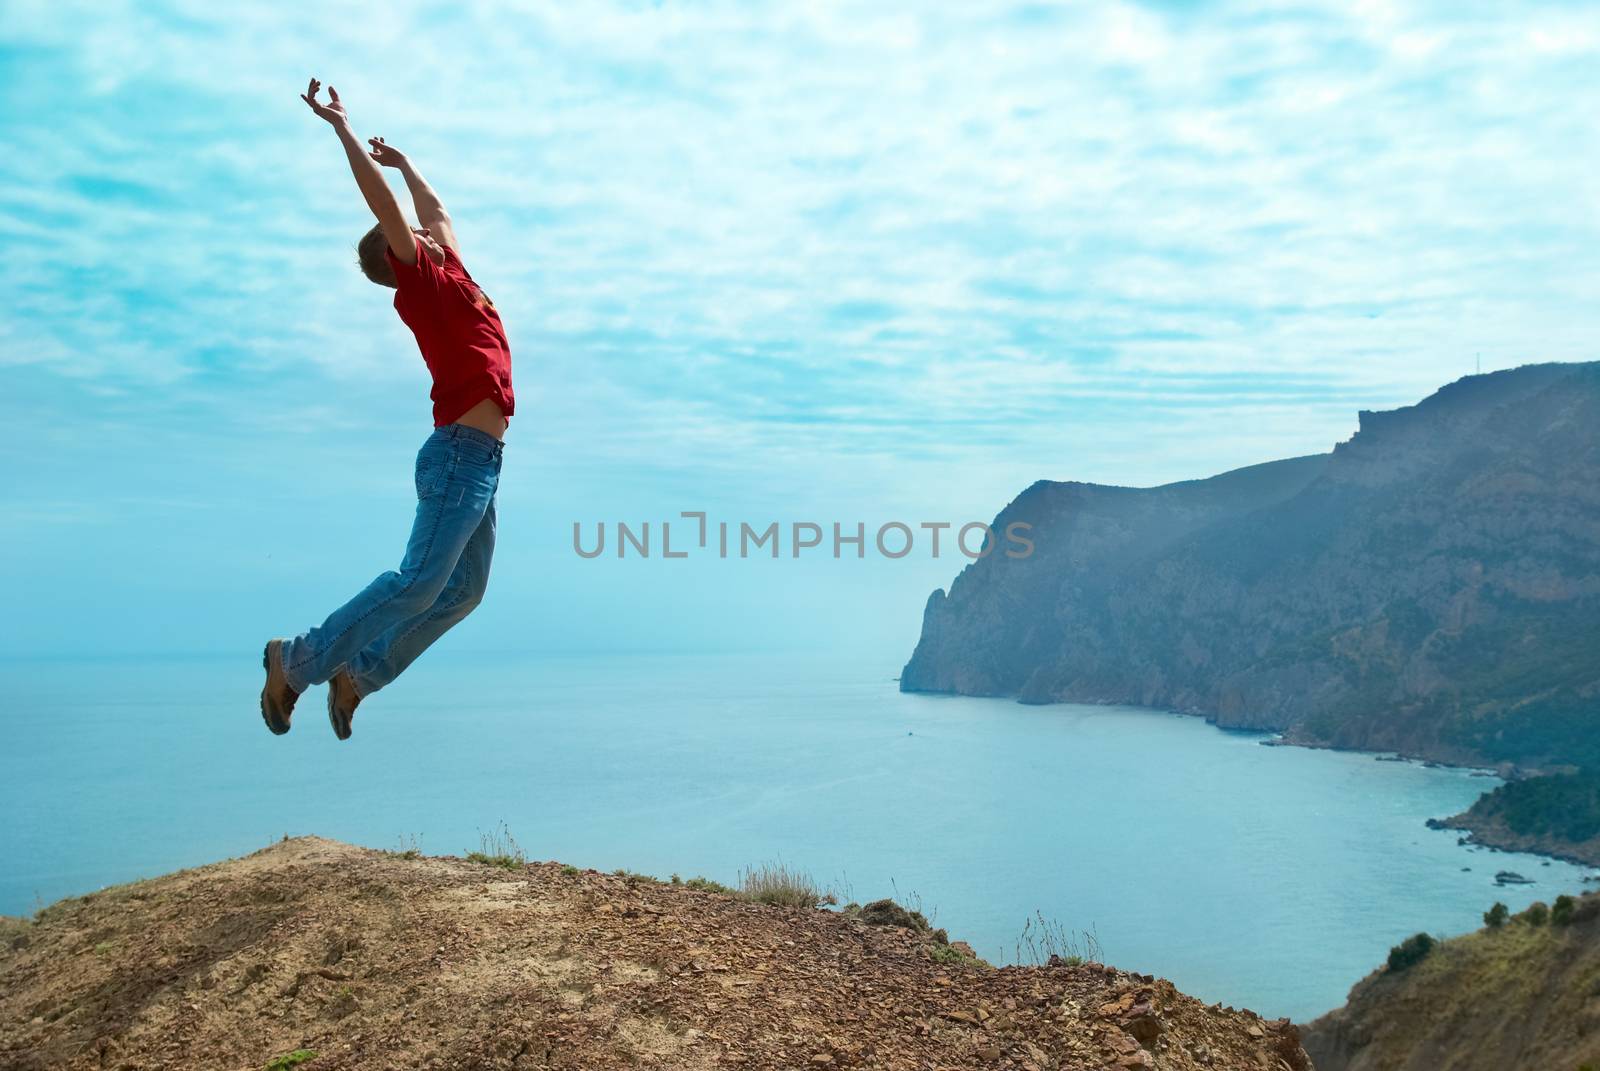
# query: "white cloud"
{"type": "Point", "coordinates": [736, 224]}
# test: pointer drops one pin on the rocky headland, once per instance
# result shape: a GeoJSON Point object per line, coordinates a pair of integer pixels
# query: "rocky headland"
{"type": "Point", "coordinates": [1557, 814]}
{"type": "Point", "coordinates": [1429, 587]}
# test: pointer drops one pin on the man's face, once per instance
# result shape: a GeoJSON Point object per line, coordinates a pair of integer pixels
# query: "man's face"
{"type": "Point", "coordinates": [433, 248]}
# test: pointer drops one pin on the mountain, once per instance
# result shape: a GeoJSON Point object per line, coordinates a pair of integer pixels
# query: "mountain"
{"type": "Point", "coordinates": [1431, 586]}
{"type": "Point", "coordinates": [335, 957]}
{"type": "Point", "coordinates": [1524, 996]}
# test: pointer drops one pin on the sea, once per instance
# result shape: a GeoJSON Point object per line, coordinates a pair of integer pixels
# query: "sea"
{"type": "Point", "coordinates": [1271, 878]}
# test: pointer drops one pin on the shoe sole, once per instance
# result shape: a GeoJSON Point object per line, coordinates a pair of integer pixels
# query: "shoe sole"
{"type": "Point", "coordinates": [266, 715]}
{"type": "Point", "coordinates": [341, 725]}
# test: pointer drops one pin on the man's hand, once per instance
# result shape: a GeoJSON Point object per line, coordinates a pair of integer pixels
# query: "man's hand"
{"type": "Point", "coordinates": [332, 111]}
{"type": "Point", "coordinates": [430, 210]}
{"type": "Point", "coordinates": [368, 175]}
{"type": "Point", "coordinates": [386, 154]}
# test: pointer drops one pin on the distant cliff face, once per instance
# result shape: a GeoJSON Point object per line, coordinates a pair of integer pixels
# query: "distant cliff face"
{"type": "Point", "coordinates": [1431, 586]}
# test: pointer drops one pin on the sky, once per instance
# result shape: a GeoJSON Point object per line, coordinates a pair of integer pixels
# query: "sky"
{"type": "Point", "coordinates": [820, 261]}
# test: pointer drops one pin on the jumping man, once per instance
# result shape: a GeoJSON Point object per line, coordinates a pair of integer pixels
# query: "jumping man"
{"type": "Point", "coordinates": [368, 641]}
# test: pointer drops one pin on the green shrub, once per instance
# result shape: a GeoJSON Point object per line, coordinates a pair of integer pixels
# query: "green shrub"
{"type": "Point", "coordinates": [888, 913]}
{"type": "Point", "coordinates": [1561, 910]}
{"type": "Point", "coordinates": [633, 877]}
{"type": "Point", "coordinates": [937, 946]}
{"type": "Point", "coordinates": [1410, 952]}
{"type": "Point", "coordinates": [949, 954]}
{"type": "Point", "coordinates": [709, 886]}
{"type": "Point", "coordinates": [1537, 914]}
{"type": "Point", "coordinates": [1496, 916]}
{"type": "Point", "coordinates": [290, 1059]}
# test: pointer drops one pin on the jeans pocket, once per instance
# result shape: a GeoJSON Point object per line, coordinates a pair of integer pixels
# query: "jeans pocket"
{"type": "Point", "coordinates": [433, 469]}
{"type": "Point", "coordinates": [475, 453]}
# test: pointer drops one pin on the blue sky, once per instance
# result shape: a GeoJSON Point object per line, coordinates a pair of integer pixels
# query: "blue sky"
{"type": "Point", "coordinates": [829, 262]}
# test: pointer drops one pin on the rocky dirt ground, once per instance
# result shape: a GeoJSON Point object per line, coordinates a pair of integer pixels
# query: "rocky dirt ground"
{"type": "Point", "coordinates": [372, 960]}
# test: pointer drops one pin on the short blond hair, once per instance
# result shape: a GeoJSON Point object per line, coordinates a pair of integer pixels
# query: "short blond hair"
{"type": "Point", "coordinates": [374, 264]}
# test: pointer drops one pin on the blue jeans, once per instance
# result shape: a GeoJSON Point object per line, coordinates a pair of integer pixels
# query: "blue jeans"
{"type": "Point", "coordinates": [444, 573]}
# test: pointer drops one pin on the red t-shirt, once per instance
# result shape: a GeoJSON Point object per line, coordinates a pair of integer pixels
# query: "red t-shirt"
{"type": "Point", "coordinates": [458, 331]}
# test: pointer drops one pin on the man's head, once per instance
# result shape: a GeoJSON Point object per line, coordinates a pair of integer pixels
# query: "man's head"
{"type": "Point", "coordinates": [375, 266]}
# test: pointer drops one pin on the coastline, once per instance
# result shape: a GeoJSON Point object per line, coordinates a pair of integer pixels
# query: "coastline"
{"type": "Point", "coordinates": [1485, 833]}
{"type": "Point", "coordinates": [1491, 833]}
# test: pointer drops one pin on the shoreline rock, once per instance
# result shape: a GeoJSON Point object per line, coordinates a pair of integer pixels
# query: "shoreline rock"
{"type": "Point", "coordinates": [1496, 836]}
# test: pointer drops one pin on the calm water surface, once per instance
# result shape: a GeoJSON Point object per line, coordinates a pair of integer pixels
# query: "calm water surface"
{"type": "Point", "coordinates": [1271, 878]}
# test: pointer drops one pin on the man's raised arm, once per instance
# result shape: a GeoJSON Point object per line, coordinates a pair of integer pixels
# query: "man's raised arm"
{"type": "Point", "coordinates": [369, 177]}
{"type": "Point", "coordinates": [430, 210]}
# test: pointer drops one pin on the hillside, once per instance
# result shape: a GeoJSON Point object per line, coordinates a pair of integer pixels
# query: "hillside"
{"type": "Point", "coordinates": [1525, 997]}
{"type": "Point", "coordinates": [376, 960]}
{"type": "Point", "coordinates": [1431, 586]}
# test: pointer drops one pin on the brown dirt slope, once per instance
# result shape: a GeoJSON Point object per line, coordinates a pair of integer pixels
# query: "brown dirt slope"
{"type": "Point", "coordinates": [1525, 997]}
{"type": "Point", "coordinates": [373, 960]}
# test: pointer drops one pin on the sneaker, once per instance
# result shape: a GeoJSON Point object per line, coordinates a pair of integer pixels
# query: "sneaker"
{"type": "Point", "coordinates": [277, 698]}
{"type": "Point", "coordinates": [342, 702]}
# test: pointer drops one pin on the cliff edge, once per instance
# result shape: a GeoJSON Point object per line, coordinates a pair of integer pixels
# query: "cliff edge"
{"type": "Point", "coordinates": [323, 955]}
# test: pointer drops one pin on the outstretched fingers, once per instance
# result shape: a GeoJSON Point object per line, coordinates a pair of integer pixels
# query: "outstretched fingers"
{"type": "Point", "coordinates": [384, 153]}
{"type": "Point", "coordinates": [333, 111]}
